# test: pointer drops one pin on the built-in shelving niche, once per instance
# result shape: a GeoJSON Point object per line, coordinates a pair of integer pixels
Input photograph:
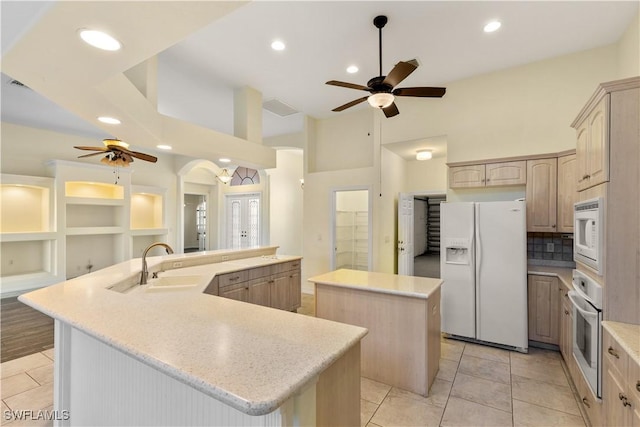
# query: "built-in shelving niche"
{"type": "Point", "coordinates": [147, 222]}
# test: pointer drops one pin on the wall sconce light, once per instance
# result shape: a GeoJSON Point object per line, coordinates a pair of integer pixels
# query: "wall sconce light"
{"type": "Point", "coordinates": [424, 155]}
{"type": "Point", "coordinates": [302, 183]}
{"type": "Point", "coordinates": [224, 177]}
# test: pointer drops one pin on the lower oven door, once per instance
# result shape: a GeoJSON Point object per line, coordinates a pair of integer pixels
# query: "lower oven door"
{"type": "Point", "coordinates": [587, 337]}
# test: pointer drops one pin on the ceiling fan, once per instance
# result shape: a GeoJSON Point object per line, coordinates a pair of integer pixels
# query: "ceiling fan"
{"type": "Point", "coordinates": [382, 87]}
{"type": "Point", "coordinates": [118, 153]}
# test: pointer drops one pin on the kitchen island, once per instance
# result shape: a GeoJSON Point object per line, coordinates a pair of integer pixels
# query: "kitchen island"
{"type": "Point", "coordinates": [402, 314]}
{"type": "Point", "coordinates": [169, 354]}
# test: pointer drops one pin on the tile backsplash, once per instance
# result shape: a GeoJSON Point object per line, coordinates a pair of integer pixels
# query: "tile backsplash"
{"type": "Point", "coordinates": [555, 249]}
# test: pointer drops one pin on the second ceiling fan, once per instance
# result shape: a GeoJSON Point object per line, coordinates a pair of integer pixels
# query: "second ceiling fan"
{"type": "Point", "coordinates": [382, 87]}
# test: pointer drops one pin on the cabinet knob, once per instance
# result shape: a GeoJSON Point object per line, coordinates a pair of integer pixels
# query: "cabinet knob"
{"type": "Point", "coordinates": [566, 312]}
{"type": "Point", "coordinates": [553, 226]}
{"type": "Point", "coordinates": [612, 352]}
{"type": "Point", "coordinates": [638, 386]}
{"type": "Point", "coordinates": [586, 402]}
{"type": "Point", "coordinates": [623, 398]}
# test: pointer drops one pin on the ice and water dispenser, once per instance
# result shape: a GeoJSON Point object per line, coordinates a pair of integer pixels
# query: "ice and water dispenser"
{"type": "Point", "coordinates": [457, 251]}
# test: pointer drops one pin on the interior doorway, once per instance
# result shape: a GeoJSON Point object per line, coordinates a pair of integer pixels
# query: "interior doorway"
{"type": "Point", "coordinates": [243, 219]}
{"type": "Point", "coordinates": [351, 229]}
{"type": "Point", "coordinates": [419, 233]}
{"type": "Point", "coordinates": [195, 222]}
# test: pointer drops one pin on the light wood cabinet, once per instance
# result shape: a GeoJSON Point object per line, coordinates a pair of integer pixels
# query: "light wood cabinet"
{"type": "Point", "coordinates": [621, 385]}
{"type": "Point", "coordinates": [592, 147]}
{"type": "Point", "coordinates": [566, 327]}
{"type": "Point", "coordinates": [567, 193]}
{"type": "Point", "coordinates": [544, 309]}
{"type": "Point", "coordinates": [277, 285]}
{"type": "Point", "coordinates": [506, 173]}
{"type": "Point", "coordinates": [541, 195]}
{"type": "Point", "coordinates": [488, 175]}
{"type": "Point", "coordinates": [467, 176]}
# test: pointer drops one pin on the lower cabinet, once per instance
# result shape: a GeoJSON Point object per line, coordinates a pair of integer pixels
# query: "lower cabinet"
{"type": "Point", "coordinates": [277, 286]}
{"type": "Point", "coordinates": [543, 306]}
{"type": "Point", "coordinates": [566, 328]}
{"type": "Point", "coordinates": [621, 385]}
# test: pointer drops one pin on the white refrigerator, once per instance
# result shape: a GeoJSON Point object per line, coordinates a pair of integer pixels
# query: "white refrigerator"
{"type": "Point", "coordinates": [483, 261]}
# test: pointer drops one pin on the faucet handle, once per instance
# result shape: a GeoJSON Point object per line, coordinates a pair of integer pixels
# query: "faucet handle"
{"type": "Point", "coordinates": [154, 275]}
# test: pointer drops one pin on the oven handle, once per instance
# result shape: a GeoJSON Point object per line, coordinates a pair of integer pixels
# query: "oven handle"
{"type": "Point", "coordinates": [574, 302]}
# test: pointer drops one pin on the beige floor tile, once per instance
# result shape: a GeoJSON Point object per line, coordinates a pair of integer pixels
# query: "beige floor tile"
{"type": "Point", "coordinates": [486, 352]}
{"type": "Point", "coordinates": [549, 371]}
{"type": "Point", "coordinates": [373, 391]}
{"type": "Point", "coordinates": [373, 425]}
{"type": "Point", "coordinates": [447, 370]}
{"type": "Point", "coordinates": [402, 411]}
{"type": "Point", "coordinates": [367, 410]}
{"type": "Point", "coordinates": [49, 353]}
{"type": "Point", "coordinates": [23, 364]}
{"type": "Point", "coordinates": [526, 414]}
{"type": "Point", "coordinates": [16, 384]}
{"type": "Point", "coordinates": [438, 394]}
{"type": "Point", "coordinates": [43, 374]}
{"type": "Point", "coordinates": [4, 408]}
{"type": "Point", "coordinates": [483, 368]}
{"type": "Point", "coordinates": [538, 355]}
{"type": "Point", "coordinates": [483, 391]}
{"type": "Point", "coordinates": [35, 399]}
{"type": "Point", "coordinates": [544, 394]}
{"type": "Point", "coordinates": [452, 341]}
{"type": "Point", "coordinates": [451, 352]}
{"type": "Point", "coordinates": [460, 412]}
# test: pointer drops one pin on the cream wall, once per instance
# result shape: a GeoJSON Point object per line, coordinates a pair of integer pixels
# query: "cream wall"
{"type": "Point", "coordinates": [629, 50]}
{"type": "Point", "coordinates": [427, 175]}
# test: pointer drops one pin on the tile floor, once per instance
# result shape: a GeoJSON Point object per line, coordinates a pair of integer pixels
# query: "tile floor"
{"type": "Point", "coordinates": [476, 386]}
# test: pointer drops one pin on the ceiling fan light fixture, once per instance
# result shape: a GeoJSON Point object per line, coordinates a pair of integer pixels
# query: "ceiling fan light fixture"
{"type": "Point", "coordinates": [224, 177]}
{"type": "Point", "coordinates": [107, 142]}
{"type": "Point", "coordinates": [381, 99]}
{"type": "Point", "coordinates": [99, 39]}
{"type": "Point", "coordinates": [424, 155]}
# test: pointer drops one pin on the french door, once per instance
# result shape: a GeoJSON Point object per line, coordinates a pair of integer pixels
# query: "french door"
{"type": "Point", "coordinates": [243, 215]}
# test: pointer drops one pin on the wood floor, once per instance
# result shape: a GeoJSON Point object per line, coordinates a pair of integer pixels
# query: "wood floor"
{"type": "Point", "coordinates": [23, 330]}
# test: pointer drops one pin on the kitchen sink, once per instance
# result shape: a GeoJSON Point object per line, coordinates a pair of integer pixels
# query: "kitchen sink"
{"type": "Point", "coordinates": [166, 283]}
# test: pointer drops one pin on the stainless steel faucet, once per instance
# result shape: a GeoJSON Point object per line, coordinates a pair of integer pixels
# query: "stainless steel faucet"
{"type": "Point", "coordinates": [145, 270]}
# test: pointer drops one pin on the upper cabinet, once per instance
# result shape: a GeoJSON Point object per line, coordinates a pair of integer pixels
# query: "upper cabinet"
{"type": "Point", "coordinates": [592, 145]}
{"type": "Point", "coordinates": [541, 195]}
{"type": "Point", "coordinates": [567, 192]}
{"type": "Point", "coordinates": [488, 175]}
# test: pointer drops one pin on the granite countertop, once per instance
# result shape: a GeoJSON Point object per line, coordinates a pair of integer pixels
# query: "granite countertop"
{"type": "Point", "coordinates": [627, 335]}
{"type": "Point", "coordinates": [565, 274]}
{"type": "Point", "coordinates": [249, 357]}
{"type": "Point", "coordinates": [411, 286]}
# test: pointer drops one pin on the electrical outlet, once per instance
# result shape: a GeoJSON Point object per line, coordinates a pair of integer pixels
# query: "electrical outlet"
{"type": "Point", "coordinates": [550, 247]}
{"type": "Point", "coordinates": [177, 264]}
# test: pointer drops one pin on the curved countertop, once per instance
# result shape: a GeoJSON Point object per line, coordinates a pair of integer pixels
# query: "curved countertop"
{"type": "Point", "coordinates": [410, 286]}
{"type": "Point", "coordinates": [250, 357]}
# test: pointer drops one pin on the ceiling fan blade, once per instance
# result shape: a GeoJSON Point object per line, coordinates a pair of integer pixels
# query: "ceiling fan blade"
{"type": "Point", "coordinates": [391, 110]}
{"type": "Point", "coordinates": [143, 156]}
{"type": "Point", "coordinates": [347, 85]}
{"type": "Point", "coordinates": [350, 104]}
{"type": "Point", "coordinates": [423, 92]}
{"type": "Point", "coordinates": [82, 147]}
{"type": "Point", "coordinates": [91, 154]}
{"type": "Point", "coordinates": [400, 72]}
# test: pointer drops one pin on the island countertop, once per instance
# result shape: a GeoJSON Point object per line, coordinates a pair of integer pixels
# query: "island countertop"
{"type": "Point", "coordinates": [410, 286]}
{"type": "Point", "coordinates": [249, 357]}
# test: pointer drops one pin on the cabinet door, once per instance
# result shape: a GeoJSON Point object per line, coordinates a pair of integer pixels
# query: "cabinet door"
{"type": "Point", "coordinates": [467, 176]}
{"type": "Point", "coordinates": [238, 293]}
{"type": "Point", "coordinates": [615, 413]}
{"type": "Point", "coordinates": [541, 195]}
{"type": "Point", "coordinates": [280, 292]}
{"type": "Point", "coordinates": [598, 145]}
{"type": "Point", "coordinates": [544, 308]}
{"type": "Point", "coordinates": [567, 192]}
{"type": "Point", "coordinates": [582, 156]}
{"type": "Point", "coordinates": [506, 173]}
{"type": "Point", "coordinates": [259, 291]}
{"type": "Point", "coordinates": [295, 291]}
{"type": "Point", "coordinates": [634, 392]}
{"type": "Point", "coordinates": [566, 326]}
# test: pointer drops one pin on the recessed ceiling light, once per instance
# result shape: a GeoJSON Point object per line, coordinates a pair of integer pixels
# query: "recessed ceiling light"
{"type": "Point", "coordinates": [99, 39]}
{"type": "Point", "coordinates": [351, 69]}
{"type": "Point", "coordinates": [492, 26]}
{"type": "Point", "coordinates": [277, 45]}
{"type": "Point", "coordinates": [224, 160]}
{"type": "Point", "coordinates": [163, 147]}
{"type": "Point", "coordinates": [109, 120]}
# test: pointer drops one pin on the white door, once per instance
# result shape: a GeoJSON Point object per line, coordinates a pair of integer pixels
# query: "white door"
{"type": "Point", "coordinates": [405, 234]}
{"type": "Point", "coordinates": [457, 269]}
{"type": "Point", "coordinates": [243, 220]}
{"type": "Point", "coordinates": [501, 271]}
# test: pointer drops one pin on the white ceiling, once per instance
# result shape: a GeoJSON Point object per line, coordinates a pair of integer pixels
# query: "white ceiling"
{"type": "Point", "coordinates": [197, 76]}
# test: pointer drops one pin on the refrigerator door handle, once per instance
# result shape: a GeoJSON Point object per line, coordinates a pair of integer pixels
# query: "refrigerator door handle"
{"type": "Point", "coordinates": [478, 262]}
